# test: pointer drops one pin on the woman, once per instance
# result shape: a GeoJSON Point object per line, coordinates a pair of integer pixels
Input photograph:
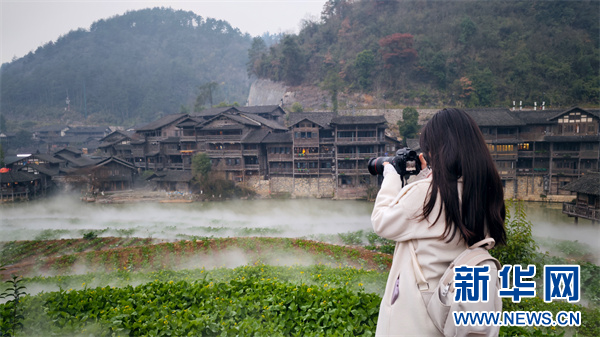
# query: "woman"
{"type": "Point", "coordinates": [452, 205]}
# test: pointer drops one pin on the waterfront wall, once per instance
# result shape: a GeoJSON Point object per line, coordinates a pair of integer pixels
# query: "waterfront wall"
{"type": "Point", "coordinates": [322, 187]}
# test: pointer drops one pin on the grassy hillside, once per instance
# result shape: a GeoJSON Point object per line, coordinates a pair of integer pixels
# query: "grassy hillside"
{"type": "Point", "coordinates": [433, 53]}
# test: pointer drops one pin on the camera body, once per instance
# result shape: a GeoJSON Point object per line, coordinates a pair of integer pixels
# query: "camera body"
{"type": "Point", "coordinates": [406, 162]}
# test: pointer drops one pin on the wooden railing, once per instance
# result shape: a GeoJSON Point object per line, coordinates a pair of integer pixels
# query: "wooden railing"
{"type": "Point", "coordinates": [585, 212]}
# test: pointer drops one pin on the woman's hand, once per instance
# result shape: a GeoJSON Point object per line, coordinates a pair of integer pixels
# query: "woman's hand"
{"type": "Point", "coordinates": [423, 162]}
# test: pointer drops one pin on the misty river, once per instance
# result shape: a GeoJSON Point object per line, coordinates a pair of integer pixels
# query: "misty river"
{"type": "Point", "coordinates": [318, 219]}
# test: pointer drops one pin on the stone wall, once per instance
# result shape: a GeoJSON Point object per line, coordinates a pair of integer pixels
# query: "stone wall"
{"type": "Point", "coordinates": [323, 187]}
{"type": "Point", "coordinates": [531, 188]}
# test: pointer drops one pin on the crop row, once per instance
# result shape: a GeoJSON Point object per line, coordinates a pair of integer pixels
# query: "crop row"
{"type": "Point", "coordinates": [188, 252]}
{"type": "Point", "coordinates": [242, 306]}
{"type": "Point", "coordinates": [255, 300]}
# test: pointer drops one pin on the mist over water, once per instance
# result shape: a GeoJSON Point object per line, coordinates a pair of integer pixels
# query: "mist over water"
{"type": "Point", "coordinates": [67, 217]}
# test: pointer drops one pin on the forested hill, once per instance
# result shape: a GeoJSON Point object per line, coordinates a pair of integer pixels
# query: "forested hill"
{"type": "Point", "coordinates": [127, 69]}
{"type": "Point", "coordinates": [471, 53]}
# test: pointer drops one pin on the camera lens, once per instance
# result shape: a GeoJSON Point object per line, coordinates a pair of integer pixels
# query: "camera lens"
{"type": "Point", "coordinates": [375, 165]}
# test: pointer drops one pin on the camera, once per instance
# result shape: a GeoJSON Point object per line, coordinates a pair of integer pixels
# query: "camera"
{"type": "Point", "coordinates": [406, 162]}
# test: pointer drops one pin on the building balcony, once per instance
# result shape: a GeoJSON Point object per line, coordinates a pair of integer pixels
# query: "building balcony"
{"type": "Point", "coordinates": [155, 166]}
{"type": "Point", "coordinates": [565, 154]}
{"type": "Point", "coordinates": [306, 156]}
{"type": "Point", "coordinates": [279, 157]}
{"type": "Point", "coordinates": [564, 171]}
{"type": "Point", "coordinates": [224, 153]}
{"type": "Point", "coordinates": [354, 156]}
{"type": "Point", "coordinates": [535, 170]}
{"type": "Point", "coordinates": [250, 152]}
{"type": "Point", "coordinates": [507, 172]}
{"type": "Point", "coordinates": [350, 171]}
{"type": "Point", "coordinates": [326, 171]}
{"type": "Point", "coordinates": [589, 154]}
{"type": "Point", "coordinates": [327, 140]}
{"type": "Point", "coordinates": [526, 154]}
{"type": "Point", "coordinates": [346, 140]}
{"type": "Point", "coordinates": [172, 152]}
{"type": "Point", "coordinates": [581, 211]}
{"type": "Point", "coordinates": [219, 138]}
{"type": "Point", "coordinates": [251, 166]}
{"type": "Point", "coordinates": [187, 139]}
{"type": "Point", "coordinates": [306, 171]}
{"type": "Point", "coordinates": [279, 170]}
{"type": "Point", "coordinates": [306, 142]}
{"type": "Point", "coordinates": [504, 155]}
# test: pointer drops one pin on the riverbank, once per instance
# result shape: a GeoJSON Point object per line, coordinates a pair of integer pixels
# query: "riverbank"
{"type": "Point", "coordinates": [145, 195]}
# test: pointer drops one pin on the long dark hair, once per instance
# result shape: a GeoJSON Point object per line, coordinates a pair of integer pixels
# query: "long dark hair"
{"type": "Point", "coordinates": [454, 147]}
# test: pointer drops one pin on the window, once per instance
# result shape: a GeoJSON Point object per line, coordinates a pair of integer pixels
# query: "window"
{"type": "Point", "coordinates": [504, 148]}
{"type": "Point", "coordinates": [524, 147]}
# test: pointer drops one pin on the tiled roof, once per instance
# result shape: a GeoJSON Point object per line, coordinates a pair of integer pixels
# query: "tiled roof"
{"type": "Point", "coordinates": [587, 184]}
{"type": "Point", "coordinates": [118, 134]}
{"type": "Point", "coordinates": [80, 162]}
{"type": "Point", "coordinates": [211, 112]}
{"type": "Point", "coordinates": [164, 121]}
{"type": "Point", "coordinates": [49, 158]}
{"type": "Point", "coordinates": [257, 109]}
{"type": "Point", "coordinates": [13, 176]}
{"type": "Point", "coordinates": [494, 117]}
{"type": "Point", "coordinates": [68, 149]}
{"type": "Point", "coordinates": [534, 117]}
{"type": "Point", "coordinates": [575, 108]}
{"type": "Point", "coordinates": [267, 122]}
{"type": "Point", "coordinates": [248, 119]}
{"type": "Point", "coordinates": [170, 140]}
{"type": "Point", "coordinates": [322, 119]}
{"type": "Point", "coordinates": [51, 128]}
{"type": "Point", "coordinates": [87, 129]}
{"type": "Point", "coordinates": [348, 120]}
{"type": "Point", "coordinates": [278, 137]}
{"type": "Point", "coordinates": [116, 160]}
{"type": "Point", "coordinates": [43, 169]}
{"type": "Point", "coordinates": [255, 136]}
{"type": "Point", "coordinates": [190, 121]}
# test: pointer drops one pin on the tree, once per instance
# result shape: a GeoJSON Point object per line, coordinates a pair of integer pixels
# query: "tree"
{"type": "Point", "coordinates": [292, 61]}
{"type": "Point", "coordinates": [255, 53]}
{"type": "Point", "coordinates": [206, 94]}
{"type": "Point", "coordinates": [409, 125]}
{"type": "Point", "coordinates": [333, 84]}
{"type": "Point", "coordinates": [297, 107]}
{"type": "Point", "coordinates": [397, 50]}
{"type": "Point", "coordinates": [398, 55]}
{"type": "Point", "coordinates": [467, 30]}
{"type": "Point", "coordinates": [364, 64]}
{"type": "Point", "coordinates": [201, 165]}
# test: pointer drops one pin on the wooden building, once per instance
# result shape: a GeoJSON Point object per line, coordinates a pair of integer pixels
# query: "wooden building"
{"type": "Point", "coordinates": [587, 201]}
{"type": "Point", "coordinates": [538, 152]}
{"type": "Point", "coordinates": [18, 185]}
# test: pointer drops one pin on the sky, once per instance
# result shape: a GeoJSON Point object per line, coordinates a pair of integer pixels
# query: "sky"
{"type": "Point", "coordinates": [28, 24]}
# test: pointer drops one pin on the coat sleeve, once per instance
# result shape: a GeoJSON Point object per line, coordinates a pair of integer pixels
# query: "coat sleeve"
{"type": "Point", "coordinates": [396, 210]}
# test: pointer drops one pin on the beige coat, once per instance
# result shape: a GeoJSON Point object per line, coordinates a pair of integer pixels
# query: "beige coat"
{"type": "Point", "coordinates": [396, 217]}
